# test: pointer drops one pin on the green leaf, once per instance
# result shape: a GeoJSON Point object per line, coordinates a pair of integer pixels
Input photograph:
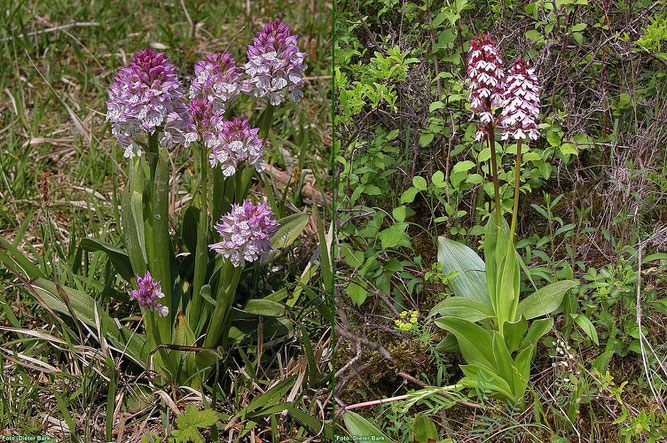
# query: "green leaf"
{"type": "Point", "coordinates": [118, 257]}
{"type": "Point", "coordinates": [184, 336]}
{"type": "Point", "coordinates": [400, 213]}
{"type": "Point", "coordinates": [133, 231]}
{"type": "Point", "coordinates": [493, 381]}
{"type": "Point", "coordinates": [494, 250]}
{"type": "Point", "coordinates": [533, 35]}
{"type": "Point", "coordinates": [419, 183]}
{"type": "Point", "coordinates": [357, 293]}
{"type": "Point", "coordinates": [586, 324]}
{"type": "Point", "coordinates": [568, 148]}
{"type": "Point", "coordinates": [315, 425]}
{"type": "Point", "coordinates": [409, 195]}
{"type": "Point", "coordinates": [423, 430]}
{"type": "Point", "coordinates": [435, 105]}
{"type": "Point", "coordinates": [448, 344]}
{"type": "Point", "coordinates": [372, 190]}
{"type": "Point", "coordinates": [578, 27]}
{"type": "Point", "coordinates": [578, 37]}
{"type": "Point", "coordinates": [474, 342]}
{"type": "Point", "coordinates": [471, 279]}
{"type": "Point", "coordinates": [522, 371]}
{"type": "Point", "coordinates": [290, 228]}
{"type": "Point", "coordinates": [189, 228]}
{"type": "Point", "coordinates": [426, 138]}
{"type": "Point", "coordinates": [269, 398]}
{"type": "Point", "coordinates": [358, 425]}
{"type": "Point", "coordinates": [15, 257]}
{"type": "Point", "coordinates": [504, 360]}
{"type": "Point", "coordinates": [553, 138]}
{"type": "Point", "coordinates": [537, 329]}
{"type": "Point", "coordinates": [545, 300]}
{"type": "Point", "coordinates": [393, 236]}
{"type": "Point", "coordinates": [438, 178]}
{"type": "Point", "coordinates": [463, 166]}
{"type": "Point", "coordinates": [461, 307]}
{"type": "Point", "coordinates": [189, 422]}
{"type": "Point", "coordinates": [514, 332]}
{"type": "Point", "coordinates": [264, 307]}
{"type": "Point", "coordinates": [509, 286]}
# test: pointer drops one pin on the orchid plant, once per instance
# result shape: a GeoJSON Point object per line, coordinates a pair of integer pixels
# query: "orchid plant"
{"type": "Point", "coordinates": [487, 321]}
{"type": "Point", "coordinates": [187, 303]}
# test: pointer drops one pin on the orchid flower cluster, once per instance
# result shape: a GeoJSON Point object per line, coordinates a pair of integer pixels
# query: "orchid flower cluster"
{"type": "Point", "coordinates": [148, 294]}
{"type": "Point", "coordinates": [518, 94]}
{"type": "Point", "coordinates": [148, 95]}
{"type": "Point", "coordinates": [149, 112]}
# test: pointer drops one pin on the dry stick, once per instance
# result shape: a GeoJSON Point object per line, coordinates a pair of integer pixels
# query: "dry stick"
{"type": "Point", "coordinates": [517, 184]}
{"type": "Point", "coordinates": [369, 344]}
{"type": "Point", "coordinates": [375, 402]}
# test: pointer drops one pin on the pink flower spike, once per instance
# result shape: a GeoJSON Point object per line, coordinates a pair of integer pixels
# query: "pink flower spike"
{"type": "Point", "coordinates": [145, 97]}
{"type": "Point", "coordinates": [275, 65]}
{"type": "Point", "coordinates": [148, 293]}
{"type": "Point", "coordinates": [233, 143]}
{"type": "Point", "coordinates": [218, 79]}
{"type": "Point", "coordinates": [485, 78]}
{"type": "Point", "coordinates": [521, 105]}
{"type": "Point", "coordinates": [246, 233]}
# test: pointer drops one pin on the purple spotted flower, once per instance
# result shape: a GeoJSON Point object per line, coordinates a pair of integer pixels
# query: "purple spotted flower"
{"type": "Point", "coordinates": [246, 233]}
{"type": "Point", "coordinates": [275, 66]}
{"type": "Point", "coordinates": [204, 123]}
{"type": "Point", "coordinates": [522, 103]}
{"type": "Point", "coordinates": [236, 142]}
{"type": "Point", "coordinates": [218, 79]}
{"type": "Point", "coordinates": [485, 81]}
{"type": "Point", "coordinates": [148, 294]}
{"type": "Point", "coordinates": [144, 98]}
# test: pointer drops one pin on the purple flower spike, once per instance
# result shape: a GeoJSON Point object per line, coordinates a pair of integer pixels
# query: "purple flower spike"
{"type": "Point", "coordinates": [275, 64]}
{"type": "Point", "coordinates": [145, 97]}
{"type": "Point", "coordinates": [246, 233]}
{"type": "Point", "coordinates": [203, 122]}
{"type": "Point", "coordinates": [148, 293]}
{"type": "Point", "coordinates": [522, 103]}
{"type": "Point", "coordinates": [236, 142]}
{"type": "Point", "coordinates": [218, 79]}
{"type": "Point", "coordinates": [485, 80]}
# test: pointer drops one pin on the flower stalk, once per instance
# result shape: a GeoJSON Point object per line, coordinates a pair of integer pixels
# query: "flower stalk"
{"type": "Point", "coordinates": [517, 186]}
{"type": "Point", "coordinates": [494, 170]}
{"type": "Point", "coordinates": [201, 253]}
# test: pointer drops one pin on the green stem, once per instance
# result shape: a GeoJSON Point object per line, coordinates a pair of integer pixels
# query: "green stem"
{"type": "Point", "coordinates": [227, 284]}
{"type": "Point", "coordinates": [153, 330]}
{"type": "Point", "coordinates": [161, 268]}
{"type": "Point", "coordinates": [517, 185]}
{"type": "Point", "coordinates": [491, 138]}
{"type": "Point", "coordinates": [218, 206]}
{"type": "Point", "coordinates": [201, 256]}
{"type": "Point", "coordinates": [243, 183]}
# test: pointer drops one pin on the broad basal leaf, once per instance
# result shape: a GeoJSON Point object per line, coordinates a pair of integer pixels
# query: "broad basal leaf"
{"type": "Point", "coordinates": [471, 279]}
{"type": "Point", "coordinates": [545, 300]}
{"type": "Point", "coordinates": [358, 425]}
{"type": "Point", "coordinates": [461, 307]}
{"type": "Point", "coordinates": [474, 342]}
